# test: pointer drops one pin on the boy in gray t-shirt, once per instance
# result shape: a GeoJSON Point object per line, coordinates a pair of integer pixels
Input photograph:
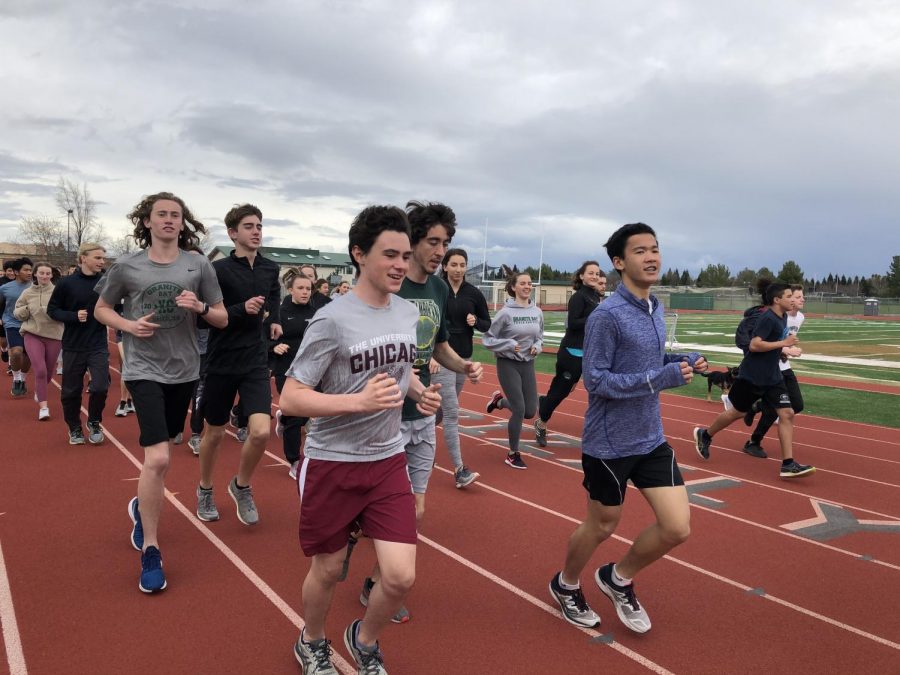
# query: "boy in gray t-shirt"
{"type": "Point", "coordinates": [165, 289]}
{"type": "Point", "coordinates": [360, 349]}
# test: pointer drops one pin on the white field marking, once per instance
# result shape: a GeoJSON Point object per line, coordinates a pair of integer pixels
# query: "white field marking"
{"type": "Point", "coordinates": [540, 604]}
{"type": "Point", "coordinates": [15, 657]}
{"type": "Point", "coordinates": [267, 591]}
{"type": "Point", "coordinates": [711, 574]}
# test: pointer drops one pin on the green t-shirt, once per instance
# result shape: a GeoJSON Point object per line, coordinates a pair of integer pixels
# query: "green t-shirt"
{"type": "Point", "coordinates": [431, 300]}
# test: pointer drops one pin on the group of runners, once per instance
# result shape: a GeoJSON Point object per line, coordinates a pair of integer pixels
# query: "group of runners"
{"type": "Point", "coordinates": [367, 373]}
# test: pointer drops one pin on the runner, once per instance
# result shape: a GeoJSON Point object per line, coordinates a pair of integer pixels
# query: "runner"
{"type": "Point", "coordinates": [237, 361]}
{"type": "Point", "coordinates": [361, 349]}
{"type": "Point", "coordinates": [625, 367]}
{"type": "Point", "coordinates": [589, 285]}
{"type": "Point", "coordinates": [516, 337]}
{"type": "Point", "coordinates": [467, 311]}
{"type": "Point", "coordinates": [759, 377]}
{"type": "Point", "coordinates": [84, 344]}
{"type": "Point", "coordinates": [42, 335]}
{"type": "Point", "coordinates": [9, 274]}
{"type": "Point", "coordinates": [9, 295]}
{"type": "Point", "coordinates": [321, 288]}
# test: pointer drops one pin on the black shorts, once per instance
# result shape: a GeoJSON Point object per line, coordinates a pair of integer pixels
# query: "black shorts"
{"type": "Point", "coordinates": [606, 479]}
{"type": "Point", "coordinates": [743, 393]}
{"type": "Point", "coordinates": [161, 408]}
{"type": "Point", "coordinates": [220, 390]}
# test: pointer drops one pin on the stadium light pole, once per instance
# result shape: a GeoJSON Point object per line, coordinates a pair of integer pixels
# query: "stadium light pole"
{"type": "Point", "coordinates": [484, 253]}
{"type": "Point", "coordinates": [68, 231]}
{"type": "Point", "coordinates": [537, 292]}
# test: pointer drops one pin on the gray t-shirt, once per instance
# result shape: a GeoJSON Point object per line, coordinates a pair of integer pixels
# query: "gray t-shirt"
{"type": "Point", "coordinates": [346, 344]}
{"type": "Point", "coordinates": [171, 355]}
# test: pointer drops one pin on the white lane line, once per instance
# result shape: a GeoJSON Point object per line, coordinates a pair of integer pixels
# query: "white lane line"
{"type": "Point", "coordinates": [15, 657]}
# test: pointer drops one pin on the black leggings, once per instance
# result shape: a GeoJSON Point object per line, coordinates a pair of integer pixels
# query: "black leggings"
{"type": "Point", "coordinates": [769, 414]}
{"type": "Point", "coordinates": [293, 427]}
{"type": "Point", "coordinates": [568, 372]}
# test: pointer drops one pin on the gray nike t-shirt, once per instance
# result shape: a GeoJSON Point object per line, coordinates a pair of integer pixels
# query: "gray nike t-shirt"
{"type": "Point", "coordinates": [171, 355]}
{"type": "Point", "coordinates": [346, 344]}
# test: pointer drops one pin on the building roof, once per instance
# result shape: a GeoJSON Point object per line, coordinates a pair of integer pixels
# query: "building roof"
{"type": "Point", "coordinates": [294, 256]}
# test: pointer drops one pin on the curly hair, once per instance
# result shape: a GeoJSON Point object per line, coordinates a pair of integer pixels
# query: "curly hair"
{"type": "Point", "coordinates": [578, 281]}
{"type": "Point", "coordinates": [511, 282]}
{"type": "Point", "coordinates": [188, 238]}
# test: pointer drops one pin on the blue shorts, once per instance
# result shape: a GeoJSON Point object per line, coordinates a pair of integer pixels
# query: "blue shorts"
{"type": "Point", "coordinates": [14, 338]}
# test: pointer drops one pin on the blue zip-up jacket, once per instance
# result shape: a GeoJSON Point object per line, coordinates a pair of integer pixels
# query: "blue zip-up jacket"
{"type": "Point", "coordinates": [625, 367]}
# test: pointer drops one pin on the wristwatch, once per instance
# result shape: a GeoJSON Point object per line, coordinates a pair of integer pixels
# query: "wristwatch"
{"type": "Point", "coordinates": [205, 309]}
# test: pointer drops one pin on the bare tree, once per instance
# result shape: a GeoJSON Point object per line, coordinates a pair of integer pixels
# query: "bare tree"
{"type": "Point", "coordinates": [123, 245]}
{"type": "Point", "coordinates": [45, 233]}
{"type": "Point", "coordinates": [76, 202]}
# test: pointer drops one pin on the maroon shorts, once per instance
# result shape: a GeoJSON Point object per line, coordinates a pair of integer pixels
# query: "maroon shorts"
{"type": "Point", "coordinates": [334, 496]}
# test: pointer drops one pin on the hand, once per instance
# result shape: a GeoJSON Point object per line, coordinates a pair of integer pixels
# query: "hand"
{"type": "Point", "coordinates": [381, 393]}
{"type": "Point", "coordinates": [434, 367]}
{"type": "Point", "coordinates": [474, 371]}
{"type": "Point", "coordinates": [470, 319]}
{"type": "Point", "coordinates": [281, 348]}
{"type": "Point", "coordinates": [275, 331]}
{"type": "Point", "coordinates": [82, 315]}
{"type": "Point", "coordinates": [253, 305]}
{"type": "Point", "coordinates": [143, 327]}
{"type": "Point", "coordinates": [700, 365]}
{"type": "Point", "coordinates": [790, 340]}
{"type": "Point", "coordinates": [188, 300]}
{"type": "Point", "coordinates": [686, 372]}
{"type": "Point", "coordinates": [533, 351]}
{"type": "Point", "coordinates": [430, 400]}
{"type": "Point", "coordinates": [516, 349]}
{"type": "Point", "coordinates": [793, 352]}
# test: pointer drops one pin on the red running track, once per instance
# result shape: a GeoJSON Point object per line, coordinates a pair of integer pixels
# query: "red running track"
{"type": "Point", "coordinates": [750, 591]}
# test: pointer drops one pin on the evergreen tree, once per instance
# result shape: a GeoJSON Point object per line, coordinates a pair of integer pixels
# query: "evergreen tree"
{"type": "Point", "coordinates": [791, 273]}
{"type": "Point", "coordinates": [686, 278]}
{"type": "Point", "coordinates": [893, 278]}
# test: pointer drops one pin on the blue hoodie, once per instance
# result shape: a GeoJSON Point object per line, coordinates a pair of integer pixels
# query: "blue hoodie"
{"type": "Point", "coordinates": [625, 367]}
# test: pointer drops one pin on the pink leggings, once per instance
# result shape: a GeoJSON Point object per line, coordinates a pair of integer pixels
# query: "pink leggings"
{"type": "Point", "coordinates": [43, 353]}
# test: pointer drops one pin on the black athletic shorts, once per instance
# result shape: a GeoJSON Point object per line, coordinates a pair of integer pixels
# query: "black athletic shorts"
{"type": "Point", "coordinates": [220, 390]}
{"type": "Point", "coordinates": [743, 393]}
{"type": "Point", "coordinates": [606, 479]}
{"type": "Point", "coordinates": [161, 408]}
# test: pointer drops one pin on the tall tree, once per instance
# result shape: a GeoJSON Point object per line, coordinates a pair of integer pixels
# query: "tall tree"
{"type": "Point", "coordinates": [79, 208]}
{"type": "Point", "coordinates": [746, 277]}
{"type": "Point", "coordinates": [686, 279]}
{"type": "Point", "coordinates": [45, 233]}
{"type": "Point", "coordinates": [765, 273]}
{"type": "Point", "coordinates": [791, 273]}
{"type": "Point", "coordinates": [893, 277]}
{"type": "Point", "coordinates": [715, 276]}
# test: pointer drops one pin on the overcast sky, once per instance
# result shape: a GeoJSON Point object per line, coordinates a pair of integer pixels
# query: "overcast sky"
{"type": "Point", "coordinates": [744, 133]}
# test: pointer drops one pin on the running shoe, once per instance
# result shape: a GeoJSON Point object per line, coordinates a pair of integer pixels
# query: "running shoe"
{"type": "Point", "coordinates": [43, 414]}
{"type": "Point", "coordinates": [121, 409]}
{"type": "Point", "coordinates": [279, 425]}
{"type": "Point", "coordinates": [152, 577]}
{"type": "Point", "coordinates": [702, 441]}
{"type": "Point", "coordinates": [243, 500]}
{"type": "Point", "coordinates": [315, 656]}
{"type": "Point", "coordinates": [795, 470]}
{"type": "Point", "coordinates": [402, 615]}
{"type": "Point", "coordinates": [95, 433]}
{"type": "Point", "coordinates": [515, 461]}
{"type": "Point", "coordinates": [727, 402]}
{"type": "Point", "coordinates": [494, 403]}
{"type": "Point", "coordinates": [179, 437]}
{"type": "Point", "coordinates": [465, 477]}
{"type": "Point", "coordinates": [129, 405]}
{"type": "Point", "coordinates": [18, 388]}
{"type": "Point", "coordinates": [292, 472]}
{"type": "Point", "coordinates": [572, 604]}
{"type": "Point", "coordinates": [540, 433]}
{"type": "Point", "coordinates": [137, 530]}
{"type": "Point", "coordinates": [76, 436]}
{"type": "Point", "coordinates": [755, 450]}
{"type": "Point", "coordinates": [233, 418]}
{"type": "Point", "coordinates": [624, 600]}
{"type": "Point", "coordinates": [194, 444]}
{"type": "Point", "coordinates": [206, 505]}
{"type": "Point", "coordinates": [367, 662]}
{"type": "Point", "coordinates": [242, 434]}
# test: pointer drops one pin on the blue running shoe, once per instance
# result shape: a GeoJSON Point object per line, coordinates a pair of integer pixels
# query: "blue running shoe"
{"type": "Point", "coordinates": [152, 577]}
{"type": "Point", "coordinates": [137, 532]}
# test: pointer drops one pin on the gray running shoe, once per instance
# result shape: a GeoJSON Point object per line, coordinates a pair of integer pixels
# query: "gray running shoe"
{"type": "Point", "coordinates": [243, 499]}
{"type": "Point", "coordinates": [572, 604]}
{"type": "Point", "coordinates": [76, 436]}
{"type": "Point", "coordinates": [367, 663]}
{"type": "Point", "coordinates": [95, 433]}
{"type": "Point", "coordinates": [206, 505]}
{"type": "Point", "coordinates": [129, 405]}
{"type": "Point", "coordinates": [402, 615]}
{"type": "Point", "coordinates": [465, 477]}
{"type": "Point", "coordinates": [624, 600]}
{"type": "Point", "coordinates": [179, 437]}
{"type": "Point", "coordinates": [315, 656]}
{"type": "Point", "coordinates": [242, 434]}
{"type": "Point", "coordinates": [795, 470]}
{"type": "Point", "coordinates": [194, 444]}
{"type": "Point", "coordinates": [540, 433]}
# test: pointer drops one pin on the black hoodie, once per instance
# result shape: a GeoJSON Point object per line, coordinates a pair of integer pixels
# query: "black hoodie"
{"type": "Point", "coordinates": [469, 300]}
{"type": "Point", "coordinates": [581, 304]}
{"type": "Point", "coordinates": [294, 320]}
{"type": "Point", "coordinates": [73, 293]}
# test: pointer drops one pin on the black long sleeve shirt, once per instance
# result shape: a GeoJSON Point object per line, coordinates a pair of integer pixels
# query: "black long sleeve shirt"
{"type": "Point", "coordinates": [294, 320]}
{"type": "Point", "coordinates": [71, 294]}
{"type": "Point", "coordinates": [469, 300]}
{"type": "Point", "coordinates": [581, 304]}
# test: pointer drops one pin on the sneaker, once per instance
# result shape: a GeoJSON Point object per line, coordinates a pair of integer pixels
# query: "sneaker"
{"type": "Point", "coordinates": [279, 427]}
{"type": "Point", "coordinates": [465, 477]}
{"type": "Point", "coordinates": [515, 461]}
{"type": "Point", "coordinates": [702, 441]}
{"type": "Point", "coordinates": [137, 531]}
{"type": "Point", "coordinates": [194, 444]}
{"type": "Point", "coordinates": [572, 604]}
{"type": "Point", "coordinates": [754, 450]}
{"type": "Point", "coordinates": [494, 403]}
{"type": "Point", "coordinates": [315, 656]}
{"type": "Point", "coordinates": [727, 402]}
{"type": "Point", "coordinates": [624, 600]}
{"type": "Point", "coordinates": [44, 414]}
{"type": "Point", "coordinates": [243, 499]}
{"type": "Point", "coordinates": [121, 409]}
{"type": "Point", "coordinates": [206, 505]}
{"type": "Point", "coordinates": [95, 433]}
{"type": "Point", "coordinates": [402, 615]}
{"type": "Point", "coordinates": [18, 388]}
{"type": "Point", "coordinates": [540, 433]}
{"type": "Point", "coordinates": [367, 663]}
{"type": "Point", "coordinates": [794, 470]}
{"type": "Point", "coordinates": [242, 434]}
{"type": "Point", "coordinates": [750, 414]}
{"type": "Point", "coordinates": [179, 437]}
{"type": "Point", "coordinates": [233, 418]}
{"type": "Point", "coordinates": [129, 405]}
{"type": "Point", "coordinates": [76, 436]}
{"type": "Point", "coordinates": [292, 472]}
{"type": "Point", "coordinates": [152, 577]}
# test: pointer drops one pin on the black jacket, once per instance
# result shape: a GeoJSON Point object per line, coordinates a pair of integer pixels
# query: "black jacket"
{"type": "Point", "coordinates": [71, 294]}
{"type": "Point", "coordinates": [469, 300]}
{"type": "Point", "coordinates": [294, 320]}
{"type": "Point", "coordinates": [581, 304]}
{"type": "Point", "coordinates": [242, 345]}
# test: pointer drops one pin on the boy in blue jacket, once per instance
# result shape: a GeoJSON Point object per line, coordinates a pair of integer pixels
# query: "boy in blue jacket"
{"type": "Point", "coordinates": [625, 367]}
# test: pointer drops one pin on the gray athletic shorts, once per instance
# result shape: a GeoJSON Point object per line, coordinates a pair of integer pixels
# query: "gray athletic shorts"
{"type": "Point", "coordinates": [419, 439]}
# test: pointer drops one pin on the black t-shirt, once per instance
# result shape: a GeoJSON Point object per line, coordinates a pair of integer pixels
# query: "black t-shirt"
{"type": "Point", "coordinates": [761, 368]}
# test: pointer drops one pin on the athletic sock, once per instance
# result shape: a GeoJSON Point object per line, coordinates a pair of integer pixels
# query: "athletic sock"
{"type": "Point", "coordinates": [787, 462]}
{"type": "Point", "coordinates": [619, 581]}
{"type": "Point", "coordinates": [17, 376]}
{"type": "Point", "coordinates": [567, 587]}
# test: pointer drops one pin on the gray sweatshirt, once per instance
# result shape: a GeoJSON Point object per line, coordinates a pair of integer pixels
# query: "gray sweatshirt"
{"type": "Point", "coordinates": [516, 326]}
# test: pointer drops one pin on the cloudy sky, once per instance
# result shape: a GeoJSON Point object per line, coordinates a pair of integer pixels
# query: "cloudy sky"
{"type": "Point", "coordinates": [745, 133]}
